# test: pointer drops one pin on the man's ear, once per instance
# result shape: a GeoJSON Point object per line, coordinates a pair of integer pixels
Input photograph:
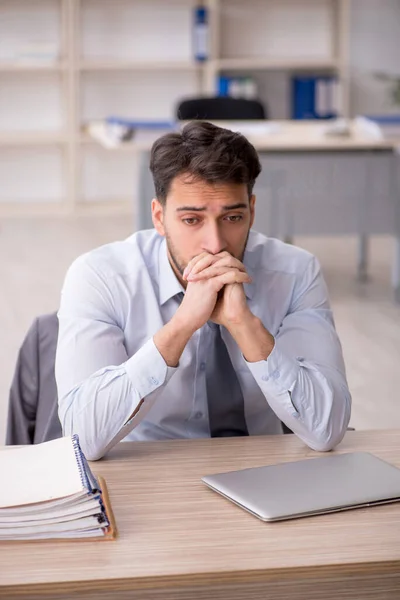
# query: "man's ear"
{"type": "Point", "coordinates": [252, 209]}
{"type": "Point", "coordinates": [157, 214]}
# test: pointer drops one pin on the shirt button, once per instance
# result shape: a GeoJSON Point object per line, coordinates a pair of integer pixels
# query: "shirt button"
{"type": "Point", "coordinates": [154, 380]}
{"type": "Point", "coordinates": [265, 378]}
{"type": "Point", "coordinates": [202, 366]}
{"type": "Point", "coordinates": [276, 374]}
{"type": "Point", "coordinates": [198, 415]}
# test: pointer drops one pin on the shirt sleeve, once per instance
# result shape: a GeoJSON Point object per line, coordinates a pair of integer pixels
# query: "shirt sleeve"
{"type": "Point", "coordinates": [102, 393]}
{"type": "Point", "coordinates": [304, 378]}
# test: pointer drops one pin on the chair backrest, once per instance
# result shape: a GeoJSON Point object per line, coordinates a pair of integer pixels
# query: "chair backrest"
{"type": "Point", "coordinates": [33, 403]}
{"type": "Point", "coordinates": [220, 108]}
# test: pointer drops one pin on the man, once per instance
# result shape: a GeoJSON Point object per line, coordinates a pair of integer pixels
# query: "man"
{"type": "Point", "coordinates": [201, 327]}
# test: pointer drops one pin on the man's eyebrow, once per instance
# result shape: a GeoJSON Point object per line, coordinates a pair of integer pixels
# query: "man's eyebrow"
{"type": "Point", "coordinates": [235, 206]}
{"type": "Point", "coordinates": [191, 208]}
{"type": "Point", "coordinates": [204, 208]}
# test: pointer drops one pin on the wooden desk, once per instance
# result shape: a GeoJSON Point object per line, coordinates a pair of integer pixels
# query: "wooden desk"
{"type": "Point", "coordinates": [179, 540]}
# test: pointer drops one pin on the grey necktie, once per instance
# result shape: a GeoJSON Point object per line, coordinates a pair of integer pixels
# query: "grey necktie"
{"type": "Point", "coordinates": [224, 394]}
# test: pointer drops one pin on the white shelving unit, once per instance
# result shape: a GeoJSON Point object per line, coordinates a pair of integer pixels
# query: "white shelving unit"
{"type": "Point", "coordinates": [253, 64]}
{"type": "Point", "coordinates": [264, 37]}
{"type": "Point", "coordinates": [66, 62]}
{"type": "Point", "coordinates": [138, 66]}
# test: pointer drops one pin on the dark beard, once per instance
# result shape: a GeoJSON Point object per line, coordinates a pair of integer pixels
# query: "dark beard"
{"type": "Point", "coordinates": [177, 266]}
{"type": "Point", "coordinates": [172, 256]}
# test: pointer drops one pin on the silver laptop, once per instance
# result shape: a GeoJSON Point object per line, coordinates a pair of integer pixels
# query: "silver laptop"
{"type": "Point", "coordinates": [310, 487]}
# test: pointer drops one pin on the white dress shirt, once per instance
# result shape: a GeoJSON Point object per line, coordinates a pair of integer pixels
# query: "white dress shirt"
{"type": "Point", "coordinates": [114, 300]}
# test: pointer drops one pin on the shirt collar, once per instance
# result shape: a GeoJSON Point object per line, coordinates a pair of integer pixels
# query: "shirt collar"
{"type": "Point", "coordinates": [169, 285]}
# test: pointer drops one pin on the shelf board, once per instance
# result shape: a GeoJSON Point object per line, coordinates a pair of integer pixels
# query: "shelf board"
{"type": "Point", "coordinates": [110, 65]}
{"type": "Point", "coordinates": [33, 208]}
{"type": "Point", "coordinates": [62, 208]}
{"type": "Point", "coordinates": [31, 66]}
{"type": "Point", "coordinates": [108, 206]}
{"type": "Point", "coordinates": [274, 64]}
{"type": "Point", "coordinates": [31, 139]}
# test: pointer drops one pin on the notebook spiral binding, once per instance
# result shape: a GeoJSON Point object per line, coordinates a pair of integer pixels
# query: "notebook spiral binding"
{"type": "Point", "coordinates": [80, 459]}
{"type": "Point", "coordinates": [89, 481]}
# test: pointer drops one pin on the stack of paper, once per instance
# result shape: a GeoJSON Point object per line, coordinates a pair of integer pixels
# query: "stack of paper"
{"type": "Point", "coordinates": [48, 491]}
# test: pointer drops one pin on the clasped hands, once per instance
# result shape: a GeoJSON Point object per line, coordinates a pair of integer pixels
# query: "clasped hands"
{"type": "Point", "coordinates": [215, 290]}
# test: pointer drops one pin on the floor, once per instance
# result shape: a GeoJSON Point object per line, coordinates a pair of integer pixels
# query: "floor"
{"type": "Point", "coordinates": [35, 253]}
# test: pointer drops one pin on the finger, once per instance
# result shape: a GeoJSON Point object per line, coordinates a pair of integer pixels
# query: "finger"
{"type": "Point", "coordinates": [203, 256]}
{"type": "Point", "coordinates": [231, 276]}
{"type": "Point", "coordinates": [223, 258]}
{"type": "Point", "coordinates": [223, 254]}
{"type": "Point", "coordinates": [216, 269]}
{"type": "Point", "coordinates": [202, 264]}
{"type": "Point", "coordinates": [193, 262]}
{"type": "Point", "coordinates": [228, 260]}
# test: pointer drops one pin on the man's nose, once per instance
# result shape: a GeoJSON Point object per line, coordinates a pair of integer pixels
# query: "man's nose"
{"type": "Point", "coordinates": [213, 241]}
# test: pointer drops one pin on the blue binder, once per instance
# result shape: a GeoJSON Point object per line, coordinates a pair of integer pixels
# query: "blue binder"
{"type": "Point", "coordinates": [304, 96]}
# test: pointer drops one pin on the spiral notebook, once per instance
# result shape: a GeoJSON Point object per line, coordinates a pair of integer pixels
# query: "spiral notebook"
{"type": "Point", "coordinates": [48, 491]}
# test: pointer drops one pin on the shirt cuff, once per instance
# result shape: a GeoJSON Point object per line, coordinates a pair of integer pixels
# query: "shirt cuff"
{"type": "Point", "coordinates": [147, 370]}
{"type": "Point", "coordinates": [276, 375]}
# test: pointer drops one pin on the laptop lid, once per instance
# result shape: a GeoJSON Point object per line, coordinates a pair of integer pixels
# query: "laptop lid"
{"type": "Point", "coordinates": [310, 487]}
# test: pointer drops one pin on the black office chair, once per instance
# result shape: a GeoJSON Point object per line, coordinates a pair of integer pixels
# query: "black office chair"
{"type": "Point", "coordinates": [220, 108]}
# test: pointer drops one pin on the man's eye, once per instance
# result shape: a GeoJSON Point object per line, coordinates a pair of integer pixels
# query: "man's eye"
{"type": "Point", "coordinates": [190, 221]}
{"type": "Point", "coordinates": [234, 218]}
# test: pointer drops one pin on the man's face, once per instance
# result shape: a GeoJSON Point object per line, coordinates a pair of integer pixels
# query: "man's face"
{"type": "Point", "coordinates": [201, 217]}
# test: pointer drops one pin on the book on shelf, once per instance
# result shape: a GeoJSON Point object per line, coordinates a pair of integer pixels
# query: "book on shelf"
{"type": "Point", "coordinates": [48, 491]}
{"type": "Point", "coordinates": [237, 87]}
{"type": "Point", "coordinates": [315, 97]}
{"type": "Point", "coordinates": [200, 33]}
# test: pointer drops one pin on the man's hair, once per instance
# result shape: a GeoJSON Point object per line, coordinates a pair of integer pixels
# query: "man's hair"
{"type": "Point", "coordinates": [204, 152]}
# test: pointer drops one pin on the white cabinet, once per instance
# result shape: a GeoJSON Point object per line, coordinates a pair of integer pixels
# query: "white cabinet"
{"type": "Point", "coordinates": [66, 62]}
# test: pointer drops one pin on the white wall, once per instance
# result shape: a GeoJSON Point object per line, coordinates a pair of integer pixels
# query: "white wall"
{"type": "Point", "coordinates": [374, 46]}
